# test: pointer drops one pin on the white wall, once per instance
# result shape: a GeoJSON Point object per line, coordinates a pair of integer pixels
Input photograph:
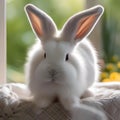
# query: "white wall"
{"type": "Point", "coordinates": [2, 42]}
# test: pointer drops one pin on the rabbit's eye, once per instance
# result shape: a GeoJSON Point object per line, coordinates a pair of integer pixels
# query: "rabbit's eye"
{"type": "Point", "coordinates": [44, 55]}
{"type": "Point", "coordinates": [67, 57]}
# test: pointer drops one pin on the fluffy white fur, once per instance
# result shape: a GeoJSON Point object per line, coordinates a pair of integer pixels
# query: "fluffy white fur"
{"type": "Point", "coordinates": [63, 66]}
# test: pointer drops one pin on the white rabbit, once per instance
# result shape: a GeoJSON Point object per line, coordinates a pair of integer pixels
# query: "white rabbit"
{"type": "Point", "coordinates": [63, 64]}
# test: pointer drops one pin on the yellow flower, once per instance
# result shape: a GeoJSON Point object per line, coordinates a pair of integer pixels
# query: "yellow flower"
{"type": "Point", "coordinates": [118, 64]}
{"type": "Point", "coordinates": [106, 80]}
{"type": "Point", "coordinates": [104, 75]}
{"type": "Point", "coordinates": [115, 76]}
{"type": "Point", "coordinates": [110, 67]}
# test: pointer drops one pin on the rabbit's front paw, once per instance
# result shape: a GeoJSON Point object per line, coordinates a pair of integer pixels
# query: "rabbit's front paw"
{"type": "Point", "coordinates": [88, 115]}
{"type": "Point", "coordinates": [42, 102]}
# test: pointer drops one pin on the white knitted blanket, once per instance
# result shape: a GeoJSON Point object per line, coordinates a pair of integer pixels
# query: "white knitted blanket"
{"type": "Point", "coordinates": [13, 105]}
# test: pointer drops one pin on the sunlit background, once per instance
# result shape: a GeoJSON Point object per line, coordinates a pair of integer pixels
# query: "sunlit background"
{"type": "Point", "coordinates": [20, 36]}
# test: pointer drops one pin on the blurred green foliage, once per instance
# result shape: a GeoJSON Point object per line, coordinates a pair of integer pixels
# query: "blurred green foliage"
{"type": "Point", "coordinates": [111, 29]}
{"type": "Point", "coordinates": [19, 34]}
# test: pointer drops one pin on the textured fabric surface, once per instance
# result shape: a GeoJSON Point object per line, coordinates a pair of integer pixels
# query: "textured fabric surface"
{"type": "Point", "coordinates": [107, 98]}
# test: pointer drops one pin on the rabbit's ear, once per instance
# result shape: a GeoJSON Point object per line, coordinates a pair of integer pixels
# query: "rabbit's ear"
{"type": "Point", "coordinates": [81, 24]}
{"type": "Point", "coordinates": [41, 23]}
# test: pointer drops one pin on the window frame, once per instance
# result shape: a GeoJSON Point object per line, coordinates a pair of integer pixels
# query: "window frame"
{"type": "Point", "coordinates": [2, 41]}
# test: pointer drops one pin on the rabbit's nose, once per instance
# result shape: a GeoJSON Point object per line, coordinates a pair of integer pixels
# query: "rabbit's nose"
{"type": "Point", "coordinates": [52, 74]}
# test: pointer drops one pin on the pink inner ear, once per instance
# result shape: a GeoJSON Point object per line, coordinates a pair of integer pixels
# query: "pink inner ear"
{"type": "Point", "coordinates": [36, 23]}
{"type": "Point", "coordinates": [85, 25]}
